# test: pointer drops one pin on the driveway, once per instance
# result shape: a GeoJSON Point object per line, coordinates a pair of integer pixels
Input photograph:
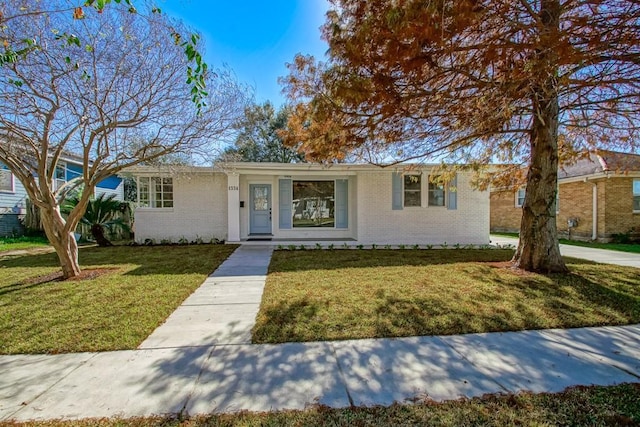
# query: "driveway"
{"type": "Point", "coordinates": [592, 254]}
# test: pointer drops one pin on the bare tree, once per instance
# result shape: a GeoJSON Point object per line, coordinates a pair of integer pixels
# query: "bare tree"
{"type": "Point", "coordinates": [126, 77]}
{"type": "Point", "coordinates": [475, 81]}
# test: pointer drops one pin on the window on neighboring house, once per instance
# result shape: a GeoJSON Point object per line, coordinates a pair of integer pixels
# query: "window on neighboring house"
{"type": "Point", "coordinates": [6, 179]}
{"type": "Point", "coordinates": [313, 204]}
{"type": "Point", "coordinates": [155, 192]}
{"type": "Point", "coordinates": [412, 190]}
{"type": "Point", "coordinates": [520, 197]}
{"type": "Point", "coordinates": [436, 193]}
{"type": "Point", "coordinates": [636, 195]}
{"type": "Point", "coordinates": [60, 176]}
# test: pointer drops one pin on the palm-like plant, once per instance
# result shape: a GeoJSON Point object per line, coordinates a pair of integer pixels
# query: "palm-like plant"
{"type": "Point", "coordinates": [101, 214]}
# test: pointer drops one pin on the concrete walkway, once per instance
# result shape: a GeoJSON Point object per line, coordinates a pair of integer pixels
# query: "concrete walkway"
{"type": "Point", "coordinates": [592, 254]}
{"type": "Point", "coordinates": [223, 309]}
{"type": "Point", "coordinates": [199, 361]}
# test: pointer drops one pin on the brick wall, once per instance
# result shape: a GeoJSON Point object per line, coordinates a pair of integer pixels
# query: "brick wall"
{"type": "Point", "coordinates": [505, 215]}
{"type": "Point", "coordinates": [199, 210]}
{"type": "Point", "coordinates": [615, 209]}
{"type": "Point", "coordinates": [619, 216]}
{"type": "Point", "coordinates": [576, 202]}
{"type": "Point", "coordinates": [378, 223]}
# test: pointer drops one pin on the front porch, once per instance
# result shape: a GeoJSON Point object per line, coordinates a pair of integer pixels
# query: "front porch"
{"type": "Point", "coordinates": [302, 204]}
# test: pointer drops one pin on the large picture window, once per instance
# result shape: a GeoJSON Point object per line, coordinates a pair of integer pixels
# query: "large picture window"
{"type": "Point", "coordinates": [313, 204]}
{"type": "Point", "coordinates": [636, 195]}
{"type": "Point", "coordinates": [155, 192]}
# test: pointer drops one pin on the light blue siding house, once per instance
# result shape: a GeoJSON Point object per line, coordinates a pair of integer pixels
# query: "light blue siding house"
{"type": "Point", "coordinates": [13, 196]}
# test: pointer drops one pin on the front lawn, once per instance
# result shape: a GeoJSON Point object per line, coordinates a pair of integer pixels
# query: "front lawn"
{"type": "Point", "coordinates": [22, 243]}
{"type": "Point", "coordinates": [134, 291]}
{"type": "Point", "coordinates": [346, 294]}
{"type": "Point", "coordinates": [580, 406]}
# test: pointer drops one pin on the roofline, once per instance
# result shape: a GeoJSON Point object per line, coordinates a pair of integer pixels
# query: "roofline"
{"type": "Point", "coordinates": [599, 175]}
{"type": "Point", "coordinates": [267, 167]}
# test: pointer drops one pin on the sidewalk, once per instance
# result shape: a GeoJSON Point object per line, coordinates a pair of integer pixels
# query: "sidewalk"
{"type": "Point", "coordinates": [592, 254]}
{"type": "Point", "coordinates": [177, 371]}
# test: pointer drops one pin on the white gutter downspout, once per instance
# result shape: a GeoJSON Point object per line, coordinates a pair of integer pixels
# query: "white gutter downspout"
{"type": "Point", "coordinates": [594, 209]}
{"type": "Point", "coordinates": [594, 232]}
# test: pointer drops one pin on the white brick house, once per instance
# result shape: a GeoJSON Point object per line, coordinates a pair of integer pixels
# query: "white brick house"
{"type": "Point", "coordinates": [361, 204]}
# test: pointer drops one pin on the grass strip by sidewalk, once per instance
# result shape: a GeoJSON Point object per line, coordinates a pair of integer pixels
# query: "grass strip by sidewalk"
{"type": "Point", "coordinates": [136, 290]}
{"type": "Point", "coordinates": [622, 247]}
{"type": "Point", "coordinates": [350, 294]}
{"type": "Point", "coordinates": [580, 406]}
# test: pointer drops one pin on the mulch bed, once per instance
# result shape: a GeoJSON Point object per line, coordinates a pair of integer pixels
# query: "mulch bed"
{"type": "Point", "coordinates": [86, 274]}
{"type": "Point", "coordinates": [507, 265]}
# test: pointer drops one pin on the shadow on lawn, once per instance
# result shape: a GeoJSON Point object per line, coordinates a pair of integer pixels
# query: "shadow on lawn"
{"type": "Point", "coordinates": [284, 261]}
{"type": "Point", "coordinates": [592, 295]}
{"type": "Point", "coordinates": [195, 259]}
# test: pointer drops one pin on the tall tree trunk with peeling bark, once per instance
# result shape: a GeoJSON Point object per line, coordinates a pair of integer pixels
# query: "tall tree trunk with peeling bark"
{"type": "Point", "coordinates": [528, 84]}
{"type": "Point", "coordinates": [538, 249]}
{"type": "Point", "coordinates": [63, 241]}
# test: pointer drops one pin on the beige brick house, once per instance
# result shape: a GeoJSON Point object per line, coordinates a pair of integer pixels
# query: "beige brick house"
{"type": "Point", "coordinates": [598, 197]}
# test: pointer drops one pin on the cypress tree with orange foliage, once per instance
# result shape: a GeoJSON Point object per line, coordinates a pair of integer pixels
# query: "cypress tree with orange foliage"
{"type": "Point", "coordinates": [525, 82]}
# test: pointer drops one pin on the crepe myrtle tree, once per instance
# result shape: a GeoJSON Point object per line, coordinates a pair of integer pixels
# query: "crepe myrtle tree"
{"type": "Point", "coordinates": [123, 82]}
{"type": "Point", "coordinates": [17, 48]}
{"type": "Point", "coordinates": [530, 82]}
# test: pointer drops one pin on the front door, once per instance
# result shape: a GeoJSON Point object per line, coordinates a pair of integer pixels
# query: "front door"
{"type": "Point", "coordinates": [260, 205]}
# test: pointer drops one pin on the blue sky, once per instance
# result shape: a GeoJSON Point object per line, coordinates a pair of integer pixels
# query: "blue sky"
{"type": "Point", "coordinates": [254, 38]}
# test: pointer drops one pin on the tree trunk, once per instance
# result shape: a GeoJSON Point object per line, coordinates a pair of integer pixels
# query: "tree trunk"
{"type": "Point", "coordinates": [538, 249]}
{"type": "Point", "coordinates": [63, 242]}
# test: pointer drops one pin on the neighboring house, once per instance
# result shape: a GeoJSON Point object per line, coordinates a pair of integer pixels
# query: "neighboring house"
{"type": "Point", "coordinates": [361, 204]}
{"type": "Point", "coordinates": [598, 197]}
{"type": "Point", "coordinates": [13, 196]}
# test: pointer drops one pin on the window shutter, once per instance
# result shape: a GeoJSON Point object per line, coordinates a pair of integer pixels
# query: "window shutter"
{"type": "Point", "coordinates": [341, 210]}
{"type": "Point", "coordinates": [284, 204]}
{"type": "Point", "coordinates": [396, 191]}
{"type": "Point", "coordinates": [452, 193]}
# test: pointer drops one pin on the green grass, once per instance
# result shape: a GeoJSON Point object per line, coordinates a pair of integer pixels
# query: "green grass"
{"type": "Point", "coordinates": [581, 406]}
{"type": "Point", "coordinates": [20, 243]}
{"type": "Point", "coordinates": [516, 235]}
{"type": "Point", "coordinates": [622, 247]}
{"type": "Point", "coordinates": [113, 311]}
{"type": "Point", "coordinates": [348, 294]}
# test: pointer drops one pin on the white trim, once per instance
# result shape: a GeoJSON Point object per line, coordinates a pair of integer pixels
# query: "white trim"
{"type": "Point", "coordinates": [233, 207]}
{"type": "Point", "coordinates": [594, 211]}
{"type": "Point", "coordinates": [151, 191]}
